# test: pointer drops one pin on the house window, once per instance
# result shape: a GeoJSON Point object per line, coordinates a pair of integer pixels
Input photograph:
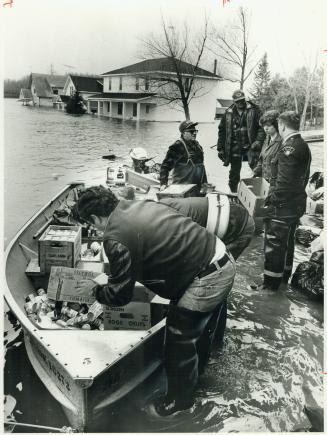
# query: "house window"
{"type": "Point", "coordinates": [55, 91]}
{"type": "Point", "coordinates": [137, 84]}
{"type": "Point", "coordinates": [146, 83]}
{"type": "Point", "coordinates": [110, 84]}
{"type": "Point", "coordinates": [120, 83]}
{"type": "Point", "coordinates": [108, 106]}
{"type": "Point", "coordinates": [119, 108]}
{"type": "Point", "coordinates": [71, 90]}
{"type": "Point", "coordinates": [134, 109]}
{"type": "Point", "coordinates": [147, 108]}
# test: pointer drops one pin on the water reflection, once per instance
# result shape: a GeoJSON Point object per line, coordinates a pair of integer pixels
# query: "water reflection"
{"type": "Point", "coordinates": [271, 365]}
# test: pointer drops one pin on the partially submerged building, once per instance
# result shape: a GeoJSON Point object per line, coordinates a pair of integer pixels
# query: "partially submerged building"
{"type": "Point", "coordinates": [45, 88]}
{"type": "Point", "coordinates": [85, 85]}
{"type": "Point", "coordinates": [138, 92]}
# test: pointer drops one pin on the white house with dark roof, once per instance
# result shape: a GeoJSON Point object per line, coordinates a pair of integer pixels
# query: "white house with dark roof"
{"type": "Point", "coordinates": [129, 94]}
{"type": "Point", "coordinates": [85, 85]}
{"type": "Point", "coordinates": [45, 88]}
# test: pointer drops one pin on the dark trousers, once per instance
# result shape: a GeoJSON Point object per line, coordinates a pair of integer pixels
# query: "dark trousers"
{"type": "Point", "coordinates": [236, 165]}
{"type": "Point", "coordinates": [188, 342]}
{"type": "Point", "coordinates": [279, 250]}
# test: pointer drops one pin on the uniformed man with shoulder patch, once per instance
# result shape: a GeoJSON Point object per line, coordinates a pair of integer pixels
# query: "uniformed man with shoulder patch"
{"type": "Point", "coordinates": [286, 201]}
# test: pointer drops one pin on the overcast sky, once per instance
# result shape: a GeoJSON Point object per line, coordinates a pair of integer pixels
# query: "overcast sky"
{"type": "Point", "coordinates": [95, 36]}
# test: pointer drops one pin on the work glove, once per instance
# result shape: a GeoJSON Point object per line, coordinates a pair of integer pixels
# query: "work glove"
{"type": "Point", "coordinates": [256, 146]}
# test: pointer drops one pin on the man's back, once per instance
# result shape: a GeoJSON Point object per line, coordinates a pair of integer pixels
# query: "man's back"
{"type": "Point", "coordinates": [164, 245]}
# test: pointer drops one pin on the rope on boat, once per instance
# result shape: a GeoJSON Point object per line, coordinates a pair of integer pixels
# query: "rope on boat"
{"type": "Point", "coordinates": [64, 429]}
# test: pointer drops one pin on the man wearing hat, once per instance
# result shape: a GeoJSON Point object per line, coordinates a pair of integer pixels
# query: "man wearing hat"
{"type": "Point", "coordinates": [139, 157]}
{"type": "Point", "coordinates": [185, 158]}
{"type": "Point", "coordinates": [240, 137]}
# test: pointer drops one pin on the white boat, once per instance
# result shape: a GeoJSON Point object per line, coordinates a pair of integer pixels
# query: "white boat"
{"type": "Point", "coordinates": [86, 371]}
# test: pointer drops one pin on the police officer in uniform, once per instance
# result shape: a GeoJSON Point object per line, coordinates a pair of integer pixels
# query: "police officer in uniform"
{"type": "Point", "coordinates": [240, 137]}
{"type": "Point", "coordinates": [286, 201]}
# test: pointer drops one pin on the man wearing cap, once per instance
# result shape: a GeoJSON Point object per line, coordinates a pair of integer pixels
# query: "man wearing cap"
{"type": "Point", "coordinates": [286, 201]}
{"type": "Point", "coordinates": [150, 242]}
{"type": "Point", "coordinates": [139, 157]}
{"type": "Point", "coordinates": [185, 158]}
{"type": "Point", "coordinates": [240, 137]}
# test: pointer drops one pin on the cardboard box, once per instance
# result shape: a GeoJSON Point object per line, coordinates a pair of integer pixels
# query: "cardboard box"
{"type": "Point", "coordinates": [71, 285]}
{"type": "Point", "coordinates": [178, 191]}
{"type": "Point", "coordinates": [252, 193]}
{"type": "Point", "coordinates": [59, 246]}
{"type": "Point", "coordinates": [135, 315]}
{"type": "Point", "coordinates": [145, 310]}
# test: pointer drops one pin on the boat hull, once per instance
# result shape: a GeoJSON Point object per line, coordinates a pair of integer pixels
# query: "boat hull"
{"type": "Point", "coordinates": [85, 371]}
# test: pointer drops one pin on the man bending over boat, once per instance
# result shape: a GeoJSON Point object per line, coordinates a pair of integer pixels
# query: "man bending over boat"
{"type": "Point", "coordinates": [177, 259]}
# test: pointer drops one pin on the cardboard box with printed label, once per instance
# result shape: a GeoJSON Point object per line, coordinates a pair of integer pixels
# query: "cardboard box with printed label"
{"type": "Point", "coordinates": [252, 193]}
{"type": "Point", "coordinates": [145, 310]}
{"type": "Point", "coordinates": [59, 246]}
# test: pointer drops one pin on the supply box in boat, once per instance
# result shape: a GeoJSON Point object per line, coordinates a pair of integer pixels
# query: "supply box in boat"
{"type": "Point", "coordinates": [178, 191]}
{"type": "Point", "coordinates": [59, 246]}
{"type": "Point", "coordinates": [145, 310]}
{"type": "Point", "coordinates": [116, 176]}
{"type": "Point", "coordinates": [252, 193]}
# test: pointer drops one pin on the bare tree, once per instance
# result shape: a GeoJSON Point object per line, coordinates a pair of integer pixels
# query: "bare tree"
{"type": "Point", "coordinates": [177, 82]}
{"type": "Point", "coordinates": [231, 45]}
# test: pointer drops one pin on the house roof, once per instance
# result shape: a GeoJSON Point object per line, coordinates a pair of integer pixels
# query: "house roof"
{"type": "Point", "coordinates": [224, 103]}
{"type": "Point", "coordinates": [123, 95]}
{"type": "Point", "coordinates": [44, 82]}
{"type": "Point", "coordinates": [87, 83]}
{"type": "Point", "coordinates": [164, 64]}
{"type": "Point", "coordinates": [25, 94]}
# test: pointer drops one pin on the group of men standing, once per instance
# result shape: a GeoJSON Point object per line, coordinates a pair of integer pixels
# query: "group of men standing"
{"type": "Point", "coordinates": [185, 249]}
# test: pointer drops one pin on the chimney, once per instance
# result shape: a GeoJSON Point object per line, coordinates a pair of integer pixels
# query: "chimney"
{"type": "Point", "coordinates": [215, 66]}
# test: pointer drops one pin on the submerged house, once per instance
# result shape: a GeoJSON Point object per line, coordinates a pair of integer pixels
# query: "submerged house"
{"type": "Point", "coordinates": [46, 88]}
{"type": "Point", "coordinates": [135, 92]}
{"type": "Point", "coordinates": [85, 85]}
{"type": "Point", "coordinates": [25, 96]}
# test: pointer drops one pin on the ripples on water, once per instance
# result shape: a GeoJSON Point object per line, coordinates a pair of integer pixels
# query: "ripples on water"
{"type": "Point", "coordinates": [271, 365]}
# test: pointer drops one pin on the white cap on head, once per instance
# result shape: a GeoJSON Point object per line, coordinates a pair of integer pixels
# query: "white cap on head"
{"type": "Point", "coordinates": [138, 153]}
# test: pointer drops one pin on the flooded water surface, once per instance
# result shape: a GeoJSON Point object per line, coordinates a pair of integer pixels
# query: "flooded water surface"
{"type": "Point", "coordinates": [271, 365]}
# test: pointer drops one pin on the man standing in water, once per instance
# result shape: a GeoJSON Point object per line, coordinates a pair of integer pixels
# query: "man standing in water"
{"type": "Point", "coordinates": [240, 137]}
{"type": "Point", "coordinates": [185, 158]}
{"type": "Point", "coordinates": [179, 260]}
{"type": "Point", "coordinates": [286, 201]}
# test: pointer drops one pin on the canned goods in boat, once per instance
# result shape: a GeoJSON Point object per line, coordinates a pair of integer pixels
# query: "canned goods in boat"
{"type": "Point", "coordinates": [29, 307]}
{"type": "Point", "coordinates": [69, 312]}
{"type": "Point", "coordinates": [86, 326]}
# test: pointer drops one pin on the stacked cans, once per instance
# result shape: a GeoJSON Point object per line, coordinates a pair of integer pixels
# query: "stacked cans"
{"type": "Point", "coordinates": [39, 308]}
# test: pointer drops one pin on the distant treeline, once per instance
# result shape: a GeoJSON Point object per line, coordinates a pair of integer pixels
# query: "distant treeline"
{"type": "Point", "coordinates": [12, 88]}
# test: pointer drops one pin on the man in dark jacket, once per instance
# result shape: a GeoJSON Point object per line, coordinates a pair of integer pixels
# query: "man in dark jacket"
{"type": "Point", "coordinates": [240, 137]}
{"type": "Point", "coordinates": [179, 260]}
{"type": "Point", "coordinates": [286, 201]}
{"type": "Point", "coordinates": [185, 159]}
